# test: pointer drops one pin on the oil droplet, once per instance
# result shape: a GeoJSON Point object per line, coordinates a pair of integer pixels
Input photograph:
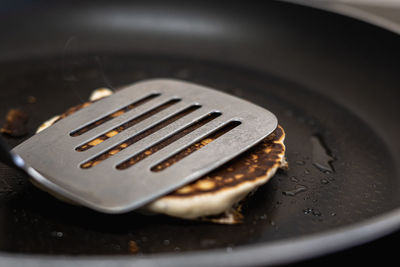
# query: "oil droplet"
{"type": "Point", "coordinates": [324, 181]}
{"type": "Point", "coordinates": [312, 211]}
{"type": "Point", "coordinates": [300, 162]}
{"type": "Point", "coordinates": [57, 234]}
{"type": "Point", "coordinates": [307, 211]}
{"type": "Point", "coordinates": [321, 157]}
{"type": "Point", "coordinates": [298, 189]}
{"type": "Point", "coordinates": [333, 214]}
{"type": "Point", "coordinates": [294, 179]}
{"type": "Point", "coordinates": [272, 223]}
{"type": "Point", "coordinates": [316, 213]}
{"type": "Point", "coordinates": [307, 171]}
{"type": "Point", "coordinates": [166, 242]}
{"type": "Point", "coordinates": [263, 217]}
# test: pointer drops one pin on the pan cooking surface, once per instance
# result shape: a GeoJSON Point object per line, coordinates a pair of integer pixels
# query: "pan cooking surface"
{"type": "Point", "coordinates": [331, 81]}
{"type": "Point", "coordinates": [301, 201]}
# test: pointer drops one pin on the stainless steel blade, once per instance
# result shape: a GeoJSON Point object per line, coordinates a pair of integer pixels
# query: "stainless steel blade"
{"type": "Point", "coordinates": [104, 187]}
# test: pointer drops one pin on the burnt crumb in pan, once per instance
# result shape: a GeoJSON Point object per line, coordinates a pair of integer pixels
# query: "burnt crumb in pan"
{"type": "Point", "coordinates": [232, 216]}
{"type": "Point", "coordinates": [15, 123]}
{"type": "Point", "coordinates": [133, 247]}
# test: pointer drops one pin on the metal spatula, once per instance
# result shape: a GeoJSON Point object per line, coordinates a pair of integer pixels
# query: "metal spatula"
{"type": "Point", "coordinates": [140, 143]}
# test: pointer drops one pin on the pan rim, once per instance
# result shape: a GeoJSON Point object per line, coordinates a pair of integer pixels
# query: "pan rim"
{"type": "Point", "coordinates": [352, 10]}
{"type": "Point", "coordinates": [284, 251]}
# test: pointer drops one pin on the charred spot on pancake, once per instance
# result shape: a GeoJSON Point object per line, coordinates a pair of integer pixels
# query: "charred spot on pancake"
{"type": "Point", "coordinates": [133, 160]}
{"type": "Point", "coordinates": [194, 147]}
{"type": "Point", "coordinates": [160, 145]}
{"type": "Point", "coordinates": [15, 123]}
{"type": "Point", "coordinates": [119, 113]}
{"type": "Point", "coordinates": [72, 110]}
{"type": "Point", "coordinates": [248, 166]}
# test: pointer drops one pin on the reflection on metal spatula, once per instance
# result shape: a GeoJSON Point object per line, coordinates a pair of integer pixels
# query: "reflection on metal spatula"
{"type": "Point", "coordinates": [140, 143]}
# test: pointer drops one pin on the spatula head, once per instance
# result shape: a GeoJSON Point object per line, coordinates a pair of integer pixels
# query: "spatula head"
{"type": "Point", "coordinates": [142, 142]}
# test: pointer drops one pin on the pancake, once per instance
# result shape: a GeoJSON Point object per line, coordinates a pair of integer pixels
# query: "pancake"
{"type": "Point", "coordinates": [215, 197]}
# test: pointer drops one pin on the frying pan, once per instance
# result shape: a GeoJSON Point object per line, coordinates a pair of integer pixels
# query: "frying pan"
{"type": "Point", "coordinates": [326, 77]}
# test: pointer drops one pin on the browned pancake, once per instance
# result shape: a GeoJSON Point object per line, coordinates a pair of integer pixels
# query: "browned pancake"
{"type": "Point", "coordinates": [219, 192]}
{"type": "Point", "coordinates": [249, 166]}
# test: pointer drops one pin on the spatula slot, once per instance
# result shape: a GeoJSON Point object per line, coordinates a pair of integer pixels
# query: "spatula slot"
{"type": "Point", "coordinates": [126, 125]}
{"type": "Point", "coordinates": [114, 150]}
{"type": "Point", "coordinates": [153, 149]}
{"type": "Point", "coordinates": [195, 146]}
{"type": "Point", "coordinates": [113, 115]}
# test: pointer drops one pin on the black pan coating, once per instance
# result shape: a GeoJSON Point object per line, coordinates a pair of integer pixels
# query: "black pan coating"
{"type": "Point", "coordinates": [321, 74]}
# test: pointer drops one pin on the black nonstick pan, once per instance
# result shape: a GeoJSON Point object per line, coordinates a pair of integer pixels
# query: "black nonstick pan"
{"type": "Point", "coordinates": [332, 81]}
